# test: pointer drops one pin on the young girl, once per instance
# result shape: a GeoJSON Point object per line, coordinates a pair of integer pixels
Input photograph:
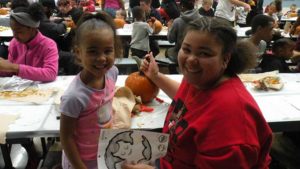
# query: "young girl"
{"type": "Point", "coordinates": [213, 121]}
{"type": "Point", "coordinates": [86, 105]}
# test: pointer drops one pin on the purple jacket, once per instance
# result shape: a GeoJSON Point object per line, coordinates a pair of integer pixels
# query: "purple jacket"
{"type": "Point", "coordinates": [37, 59]}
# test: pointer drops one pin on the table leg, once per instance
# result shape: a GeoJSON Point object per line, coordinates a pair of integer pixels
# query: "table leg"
{"type": "Point", "coordinates": [6, 156]}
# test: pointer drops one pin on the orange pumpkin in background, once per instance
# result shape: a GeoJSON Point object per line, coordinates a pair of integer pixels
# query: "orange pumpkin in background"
{"type": "Point", "coordinates": [293, 14]}
{"type": "Point", "coordinates": [141, 85]}
{"type": "Point", "coordinates": [3, 11]}
{"type": "Point", "coordinates": [119, 23]}
{"type": "Point", "coordinates": [158, 26]}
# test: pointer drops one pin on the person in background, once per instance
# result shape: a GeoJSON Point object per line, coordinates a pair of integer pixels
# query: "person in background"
{"type": "Point", "coordinates": [201, 123]}
{"type": "Point", "coordinates": [261, 33]}
{"type": "Point", "coordinates": [150, 14]}
{"type": "Point", "coordinates": [139, 44]}
{"type": "Point", "coordinates": [176, 28]}
{"type": "Point", "coordinates": [256, 9]}
{"type": "Point", "coordinates": [206, 8]}
{"type": "Point", "coordinates": [66, 10]}
{"type": "Point", "coordinates": [295, 28]}
{"type": "Point", "coordinates": [18, 3]}
{"type": "Point", "coordinates": [241, 16]}
{"type": "Point", "coordinates": [86, 106]}
{"type": "Point", "coordinates": [273, 9]}
{"type": "Point", "coordinates": [226, 9]}
{"type": "Point", "coordinates": [149, 10]}
{"type": "Point", "coordinates": [31, 55]}
{"type": "Point", "coordinates": [87, 5]}
{"type": "Point", "coordinates": [169, 10]}
{"type": "Point", "coordinates": [282, 50]}
{"type": "Point", "coordinates": [111, 6]}
{"type": "Point", "coordinates": [293, 10]}
{"type": "Point", "coordinates": [121, 14]}
{"type": "Point", "coordinates": [48, 28]}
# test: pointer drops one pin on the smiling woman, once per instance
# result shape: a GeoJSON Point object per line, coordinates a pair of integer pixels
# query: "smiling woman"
{"type": "Point", "coordinates": [210, 102]}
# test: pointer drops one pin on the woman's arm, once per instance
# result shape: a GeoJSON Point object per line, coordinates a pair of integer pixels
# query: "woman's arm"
{"type": "Point", "coordinates": [67, 128]}
{"type": "Point", "coordinates": [150, 68]}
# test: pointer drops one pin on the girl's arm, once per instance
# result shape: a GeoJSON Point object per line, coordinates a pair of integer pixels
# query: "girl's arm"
{"type": "Point", "coordinates": [67, 128]}
{"type": "Point", "coordinates": [166, 84]}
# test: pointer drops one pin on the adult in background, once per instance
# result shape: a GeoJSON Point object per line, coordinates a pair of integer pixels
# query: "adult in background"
{"type": "Point", "coordinates": [31, 55]}
{"type": "Point", "coordinates": [226, 9]}
{"type": "Point", "coordinates": [256, 9]}
{"type": "Point", "coordinates": [176, 28]}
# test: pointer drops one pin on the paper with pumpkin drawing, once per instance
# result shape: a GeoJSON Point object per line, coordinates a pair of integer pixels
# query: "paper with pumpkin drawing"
{"type": "Point", "coordinates": [116, 146]}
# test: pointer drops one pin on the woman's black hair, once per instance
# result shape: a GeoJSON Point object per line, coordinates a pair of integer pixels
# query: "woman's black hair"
{"type": "Point", "coordinates": [100, 20]}
{"type": "Point", "coordinates": [242, 52]}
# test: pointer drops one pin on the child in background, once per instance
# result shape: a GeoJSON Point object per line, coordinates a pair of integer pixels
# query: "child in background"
{"type": "Point", "coordinates": [206, 8]}
{"type": "Point", "coordinates": [201, 123]}
{"type": "Point", "coordinates": [86, 105]}
{"type": "Point", "coordinates": [140, 33]}
{"type": "Point", "coordinates": [262, 33]}
{"type": "Point", "coordinates": [121, 14]}
{"type": "Point", "coordinates": [282, 50]}
{"type": "Point", "coordinates": [292, 11]}
{"type": "Point", "coordinates": [150, 13]}
{"type": "Point", "coordinates": [273, 9]}
{"type": "Point", "coordinates": [31, 55]}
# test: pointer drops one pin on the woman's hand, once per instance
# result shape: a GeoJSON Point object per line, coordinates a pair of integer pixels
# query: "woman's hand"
{"type": "Point", "coordinates": [149, 66]}
{"type": "Point", "coordinates": [127, 165]}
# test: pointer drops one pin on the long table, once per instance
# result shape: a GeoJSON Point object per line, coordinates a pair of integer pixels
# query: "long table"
{"type": "Point", "coordinates": [281, 109]}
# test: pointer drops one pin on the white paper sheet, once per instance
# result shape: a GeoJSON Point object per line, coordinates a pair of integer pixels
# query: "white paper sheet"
{"type": "Point", "coordinates": [116, 146]}
{"type": "Point", "coordinates": [151, 120]}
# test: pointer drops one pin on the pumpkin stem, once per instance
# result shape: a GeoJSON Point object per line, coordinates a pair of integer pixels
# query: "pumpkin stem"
{"type": "Point", "coordinates": [138, 62]}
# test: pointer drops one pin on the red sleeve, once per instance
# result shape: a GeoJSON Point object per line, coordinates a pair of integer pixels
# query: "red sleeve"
{"type": "Point", "coordinates": [233, 157]}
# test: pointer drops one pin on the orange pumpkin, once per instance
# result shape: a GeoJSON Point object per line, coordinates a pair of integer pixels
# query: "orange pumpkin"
{"type": "Point", "coordinates": [142, 86]}
{"type": "Point", "coordinates": [293, 14]}
{"type": "Point", "coordinates": [119, 23]}
{"type": "Point", "coordinates": [3, 11]}
{"type": "Point", "coordinates": [158, 26]}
